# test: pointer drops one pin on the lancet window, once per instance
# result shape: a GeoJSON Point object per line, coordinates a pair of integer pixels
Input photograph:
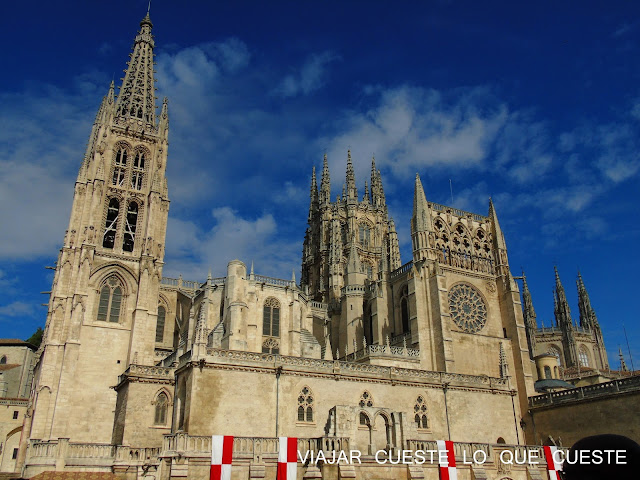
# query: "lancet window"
{"type": "Point", "coordinates": [130, 227]}
{"type": "Point", "coordinates": [160, 324]}
{"type": "Point", "coordinates": [305, 405]}
{"type": "Point", "coordinates": [138, 170]}
{"type": "Point", "coordinates": [583, 357]}
{"type": "Point", "coordinates": [162, 405]}
{"type": "Point", "coordinates": [271, 318]}
{"type": "Point", "coordinates": [111, 224]}
{"type": "Point", "coordinates": [120, 167]}
{"type": "Point", "coordinates": [404, 309]}
{"type": "Point", "coordinates": [110, 300]}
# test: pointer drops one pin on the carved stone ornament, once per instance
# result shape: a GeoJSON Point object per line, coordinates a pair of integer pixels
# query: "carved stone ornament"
{"type": "Point", "coordinates": [467, 308]}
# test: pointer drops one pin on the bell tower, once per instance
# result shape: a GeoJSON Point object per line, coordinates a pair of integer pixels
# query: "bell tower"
{"type": "Point", "coordinates": [104, 299]}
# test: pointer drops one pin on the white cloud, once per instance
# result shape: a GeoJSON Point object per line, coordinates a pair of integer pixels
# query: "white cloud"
{"type": "Point", "coordinates": [192, 249]}
{"type": "Point", "coordinates": [17, 309]}
{"type": "Point", "coordinates": [310, 77]}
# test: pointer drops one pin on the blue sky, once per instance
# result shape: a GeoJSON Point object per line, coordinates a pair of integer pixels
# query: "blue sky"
{"type": "Point", "coordinates": [537, 106]}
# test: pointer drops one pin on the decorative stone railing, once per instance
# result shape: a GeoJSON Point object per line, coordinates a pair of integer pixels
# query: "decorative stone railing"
{"type": "Point", "coordinates": [250, 446]}
{"type": "Point", "coordinates": [216, 355]}
{"type": "Point", "coordinates": [146, 370]}
{"type": "Point", "coordinates": [319, 305]}
{"type": "Point", "coordinates": [590, 391]}
{"type": "Point", "coordinates": [402, 269]}
{"type": "Point", "coordinates": [383, 350]}
{"type": "Point", "coordinates": [278, 282]}
{"type": "Point", "coordinates": [87, 454]}
{"type": "Point", "coordinates": [181, 284]}
{"type": "Point", "coordinates": [458, 213]}
{"type": "Point", "coordinates": [16, 402]}
{"type": "Point", "coordinates": [349, 289]}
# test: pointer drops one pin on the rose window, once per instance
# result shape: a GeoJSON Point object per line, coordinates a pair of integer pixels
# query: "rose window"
{"type": "Point", "coordinates": [467, 308]}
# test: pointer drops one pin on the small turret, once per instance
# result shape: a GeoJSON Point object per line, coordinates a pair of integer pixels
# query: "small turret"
{"type": "Point", "coordinates": [499, 244]}
{"type": "Point", "coordinates": [420, 222]}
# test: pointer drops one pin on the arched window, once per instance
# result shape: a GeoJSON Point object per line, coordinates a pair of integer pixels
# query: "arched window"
{"type": "Point", "coordinates": [305, 405]}
{"type": "Point", "coordinates": [111, 225]}
{"type": "Point", "coordinates": [547, 371]}
{"type": "Point", "coordinates": [583, 357]}
{"type": "Point", "coordinates": [420, 411]}
{"type": "Point", "coordinates": [271, 318]}
{"type": "Point", "coordinates": [364, 419]}
{"type": "Point", "coordinates": [110, 301]}
{"type": "Point", "coordinates": [162, 405]}
{"type": "Point", "coordinates": [130, 227]}
{"type": "Point", "coordinates": [138, 170]}
{"type": "Point", "coordinates": [555, 351]}
{"type": "Point", "coordinates": [160, 324]}
{"type": "Point", "coordinates": [404, 309]}
{"type": "Point", "coordinates": [120, 167]}
{"type": "Point", "coordinates": [364, 234]}
{"type": "Point", "coordinates": [3, 360]}
{"type": "Point", "coordinates": [366, 400]}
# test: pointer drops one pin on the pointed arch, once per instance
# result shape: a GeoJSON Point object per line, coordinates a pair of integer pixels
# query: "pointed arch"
{"type": "Point", "coordinates": [130, 226]}
{"type": "Point", "coordinates": [306, 404]}
{"type": "Point", "coordinates": [161, 402]}
{"type": "Point", "coordinates": [420, 412]}
{"type": "Point", "coordinates": [111, 222]}
{"type": "Point", "coordinates": [121, 160]}
{"type": "Point", "coordinates": [110, 300]}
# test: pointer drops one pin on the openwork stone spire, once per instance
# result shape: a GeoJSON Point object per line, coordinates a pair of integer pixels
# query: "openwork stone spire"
{"type": "Point", "coordinates": [325, 183]}
{"type": "Point", "coordinates": [352, 191]}
{"type": "Point", "coordinates": [587, 314]}
{"type": "Point", "coordinates": [137, 93]}
{"type": "Point", "coordinates": [529, 314]}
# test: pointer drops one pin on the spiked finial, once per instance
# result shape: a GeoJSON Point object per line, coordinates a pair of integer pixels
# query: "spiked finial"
{"type": "Point", "coordinates": [365, 198]}
{"type": "Point", "coordinates": [588, 317]}
{"type": "Point", "coordinates": [325, 183]}
{"type": "Point", "coordinates": [421, 219]}
{"type": "Point", "coordinates": [623, 364]}
{"type": "Point", "coordinates": [352, 190]}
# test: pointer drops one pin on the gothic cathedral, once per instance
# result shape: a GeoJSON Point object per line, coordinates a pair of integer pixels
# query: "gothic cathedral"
{"type": "Point", "coordinates": [140, 370]}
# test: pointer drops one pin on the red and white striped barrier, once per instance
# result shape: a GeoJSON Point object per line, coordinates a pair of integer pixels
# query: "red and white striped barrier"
{"type": "Point", "coordinates": [447, 460]}
{"type": "Point", "coordinates": [552, 465]}
{"type": "Point", "coordinates": [221, 457]}
{"type": "Point", "coordinates": [288, 458]}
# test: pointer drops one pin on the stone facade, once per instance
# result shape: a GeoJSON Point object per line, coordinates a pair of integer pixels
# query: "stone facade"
{"type": "Point", "coordinates": [136, 371]}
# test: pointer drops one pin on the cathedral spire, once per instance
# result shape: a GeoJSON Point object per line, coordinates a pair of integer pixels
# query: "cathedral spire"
{"type": "Point", "coordinates": [421, 218]}
{"type": "Point", "coordinates": [352, 190]}
{"type": "Point", "coordinates": [587, 314]}
{"type": "Point", "coordinates": [325, 183]}
{"type": "Point", "coordinates": [529, 314]}
{"type": "Point", "coordinates": [313, 194]}
{"type": "Point", "coordinates": [563, 320]}
{"type": "Point", "coordinates": [499, 244]}
{"type": "Point", "coordinates": [420, 222]}
{"type": "Point", "coordinates": [136, 98]}
{"type": "Point", "coordinates": [562, 311]}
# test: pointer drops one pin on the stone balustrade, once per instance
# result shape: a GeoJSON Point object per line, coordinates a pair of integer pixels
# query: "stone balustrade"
{"type": "Point", "coordinates": [576, 394]}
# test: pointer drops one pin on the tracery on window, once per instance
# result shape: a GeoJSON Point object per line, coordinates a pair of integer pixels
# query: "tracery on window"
{"type": "Point", "coordinates": [160, 324]}
{"type": "Point", "coordinates": [111, 224]}
{"type": "Point", "coordinates": [270, 345]}
{"type": "Point", "coordinates": [583, 357]}
{"type": "Point", "coordinates": [271, 318]}
{"type": "Point", "coordinates": [110, 300]}
{"type": "Point", "coordinates": [120, 166]}
{"type": "Point", "coordinates": [468, 310]}
{"type": "Point", "coordinates": [130, 227]}
{"type": "Point", "coordinates": [305, 405]}
{"type": "Point", "coordinates": [404, 309]}
{"type": "Point", "coordinates": [162, 405]}
{"type": "Point", "coordinates": [137, 172]}
{"type": "Point", "coordinates": [366, 400]}
{"type": "Point", "coordinates": [420, 411]}
{"type": "Point", "coordinates": [555, 351]}
{"type": "Point", "coordinates": [364, 419]}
